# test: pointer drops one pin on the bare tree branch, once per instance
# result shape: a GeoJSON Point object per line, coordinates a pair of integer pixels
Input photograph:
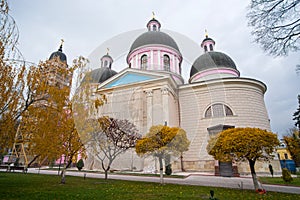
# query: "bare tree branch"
{"type": "Point", "coordinates": [276, 25]}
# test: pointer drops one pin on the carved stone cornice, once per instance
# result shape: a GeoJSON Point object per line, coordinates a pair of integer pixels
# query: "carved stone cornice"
{"type": "Point", "coordinates": [165, 90]}
{"type": "Point", "coordinates": [149, 93]}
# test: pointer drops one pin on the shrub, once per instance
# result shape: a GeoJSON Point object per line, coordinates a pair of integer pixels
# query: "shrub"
{"type": "Point", "coordinates": [80, 164]}
{"type": "Point", "coordinates": [286, 175]}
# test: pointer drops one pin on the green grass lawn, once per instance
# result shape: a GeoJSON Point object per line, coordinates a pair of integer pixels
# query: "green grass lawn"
{"type": "Point", "coordinates": [279, 181]}
{"type": "Point", "coordinates": [34, 186]}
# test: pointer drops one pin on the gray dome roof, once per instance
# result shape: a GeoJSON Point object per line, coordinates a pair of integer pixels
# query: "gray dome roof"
{"type": "Point", "coordinates": [212, 59]}
{"type": "Point", "coordinates": [62, 57]}
{"type": "Point", "coordinates": [154, 37]}
{"type": "Point", "coordinates": [108, 56]}
{"type": "Point", "coordinates": [99, 75]}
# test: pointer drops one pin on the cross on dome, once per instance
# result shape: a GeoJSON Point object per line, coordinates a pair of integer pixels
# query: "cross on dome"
{"type": "Point", "coordinates": [208, 44]}
{"type": "Point", "coordinates": [153, 24]}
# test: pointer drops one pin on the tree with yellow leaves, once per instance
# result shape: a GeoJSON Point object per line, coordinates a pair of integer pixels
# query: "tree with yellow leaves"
{"type": "Point", "coordinates": [49, 123]}
{"type": "Point", "coordinates": [243, 144]}
{"type": "Point", "coordinates": [162, 141]}
{"type": "Point", "coordinates": [10, 78]}
{"type": "Point", "coordinates": [292, 141]}
{"type": "Point", "coordinates": [18, 80]}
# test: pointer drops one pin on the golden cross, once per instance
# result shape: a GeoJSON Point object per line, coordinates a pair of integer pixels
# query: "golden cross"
{"type": "Point", "coordinates": [62, 42]}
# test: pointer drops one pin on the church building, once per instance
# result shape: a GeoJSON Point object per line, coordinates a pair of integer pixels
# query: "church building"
{"type": "Point", "coordinates": [151, 90]}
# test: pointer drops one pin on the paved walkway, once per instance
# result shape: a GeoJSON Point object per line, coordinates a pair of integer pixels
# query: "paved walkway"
{"type": "Point", "coordinates": [191, 179]}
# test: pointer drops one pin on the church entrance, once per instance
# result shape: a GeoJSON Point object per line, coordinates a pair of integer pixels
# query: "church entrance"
{"type": "Point", "coordinates": [225, 169]}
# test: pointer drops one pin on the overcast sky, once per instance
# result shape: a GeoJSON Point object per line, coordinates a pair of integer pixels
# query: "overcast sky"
{"type": "Point", "coordinates": [88, 25]}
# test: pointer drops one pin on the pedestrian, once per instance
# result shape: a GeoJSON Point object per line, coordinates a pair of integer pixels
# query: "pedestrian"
{"type": "Point", "coordinates": [271, 170]}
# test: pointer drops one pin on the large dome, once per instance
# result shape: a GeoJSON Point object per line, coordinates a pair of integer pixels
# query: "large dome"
{"type": "Point", "coordinates": [210, 60]}
{"type": "Point", "coordinates": [154, 37]}
{"type": "Point", "coordinates": [99, 75]}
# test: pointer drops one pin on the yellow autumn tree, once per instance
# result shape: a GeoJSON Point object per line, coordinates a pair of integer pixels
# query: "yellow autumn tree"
{"type": "Point", "coordinates": [10, 79]}
{"type": "Point", "coordinates": [18, 80]}
{"type": "Point", "coordinates": [9, 100]}
{"type": "Point", "coordinates": [49, 123]}
{"type": "Point", "coordinates": [292, 141]}
{"type": "Point", "coordinates": [162, 141]}
{"type": "Point", "coordinates": [243, 144]}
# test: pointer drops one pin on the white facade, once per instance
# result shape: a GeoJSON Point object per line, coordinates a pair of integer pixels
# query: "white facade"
{"type": "Point", "coordinates": [152, 96]}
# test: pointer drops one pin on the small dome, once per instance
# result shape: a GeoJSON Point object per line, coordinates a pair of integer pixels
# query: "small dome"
{"type": "Point", "coordinates": [62, 57]}
{"type": "Point", "coordinates": [154, 37]}
{"type": "Point", "coordinates": [107, 56]}
{"type": "Point", "coordinates": [207, 39]}
{"type": "Point", "coordinates": [99, 75]}
{"type": "Point", "coordinates": [210, 60]}
{"type": "Point", "coordinates": [153, 21]}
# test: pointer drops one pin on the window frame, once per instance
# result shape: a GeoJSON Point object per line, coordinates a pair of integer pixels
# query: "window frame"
{"type": "Point", "coordinates": [218, 110]}
{"type": "Point", "coordinates": [144, 61]}
{"type": "Point", "coordinates": [166, 62]}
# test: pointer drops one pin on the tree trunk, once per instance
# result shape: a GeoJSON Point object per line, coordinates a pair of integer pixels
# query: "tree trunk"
{"type": "Point", "coordinates": [35, 157]}
{"type": "Point", "coordinates": [105, 170]}
{"type": "Point", "coordinates": [59, 167]}
{"type": "Point", "coordinates": [106, 174]}
{"type": "Point", "coordinates": [69, 163]}
{"type": "Point", "coordinates": [181, 163]}
{"type": "Point", "coordinates": [64, 171]}
{"type": "Point", "coordinates": [63, 176]}
{"type": "Point", "coordinates": [161, 168]}
{"type": "Point", "coordinates": [253, 173]}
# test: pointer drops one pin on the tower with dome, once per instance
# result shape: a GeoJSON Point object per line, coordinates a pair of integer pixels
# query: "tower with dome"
{"type": "Point", "coordinates": [151, 90]}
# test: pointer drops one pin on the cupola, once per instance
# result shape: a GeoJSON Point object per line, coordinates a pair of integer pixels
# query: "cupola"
{"type": "Point", "coordinates": [155, 50]}
{"type": "Point", "coordinates": [212, 64]}
{"type": "Point", "coordinates": [102, 73]}
{"type": "Point", "coordinates": [59, 54]}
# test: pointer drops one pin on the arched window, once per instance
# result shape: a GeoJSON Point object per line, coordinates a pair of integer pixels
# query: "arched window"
{"type": "Point", "coordinates": [208, 112]}
{"type": "Point", "coordinates": [205, 48]}
{"type": "Point", "coordinates": [105, 63]}
{"type": "Point", "coordinates": [166, 63]}
{"type": "Point", "coordinates": [228, 111]}
{"type": "Point", "coordinates": [144, 61]}
{"type": "Point", "coordinates": [218, 110]}
{"type": "Point", "coordinates": [211, 47]}
{"type": "Point", "coordinates": [154, 27]}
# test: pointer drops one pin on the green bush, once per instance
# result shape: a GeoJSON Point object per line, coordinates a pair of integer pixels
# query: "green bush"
{"type": "Point", "coordinates": [80, 164]}
{"type": "Point", "coordinates": [286, 175]}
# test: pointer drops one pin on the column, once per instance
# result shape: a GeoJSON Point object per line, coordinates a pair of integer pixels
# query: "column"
{"type": "Point", "coordinates": [165, 104]}
{"type": "Point", "coordinates": [151, 60]}
{"type": "Point", "coordinates": [149, 96]}
{"type": "Point", "coordinates": [159, 66]}
{"type": "Point", "coordinates": [137, 64]}
{"type": "Point", "coordinates": [173, 64]}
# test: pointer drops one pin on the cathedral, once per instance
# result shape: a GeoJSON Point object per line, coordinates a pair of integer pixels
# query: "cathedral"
{"type": "Point", "coordinates": [150, 90]}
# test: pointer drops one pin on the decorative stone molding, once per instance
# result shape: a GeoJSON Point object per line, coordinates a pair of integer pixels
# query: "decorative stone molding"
{"type": "Point", "coordinates": [149, 93]}
{"type": "Point", "coordinates": [165, 90]}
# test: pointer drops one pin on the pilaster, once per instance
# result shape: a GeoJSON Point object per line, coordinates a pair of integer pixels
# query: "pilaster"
{"type": "Point", "coordinates": [149, 99]}
{"type": "Point", "coordinates": [165, 103]}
